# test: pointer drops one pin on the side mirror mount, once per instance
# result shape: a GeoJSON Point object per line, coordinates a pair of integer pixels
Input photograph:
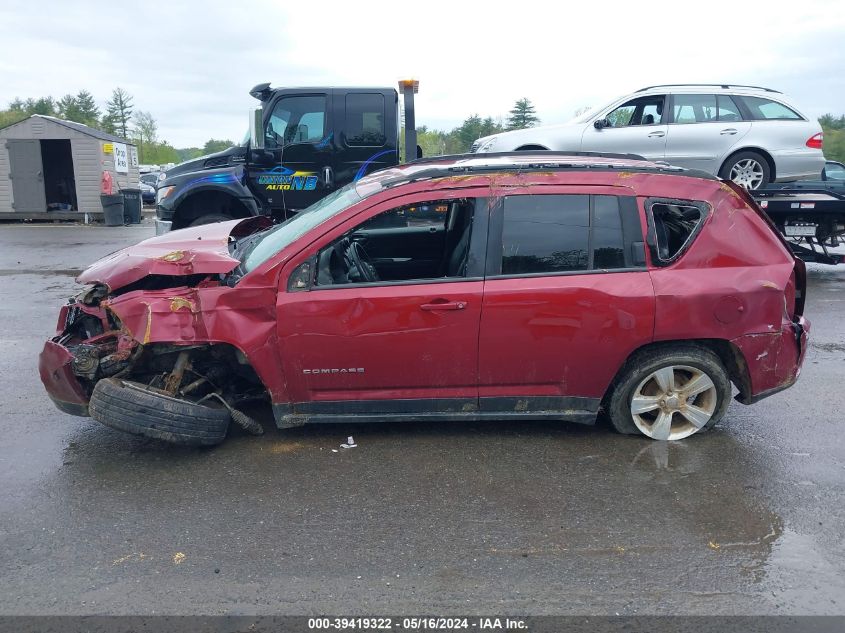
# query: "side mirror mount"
{"type": "Point", "coordinates": [256, 128]}
{"type": "Point", "coordinates": [601, 123]}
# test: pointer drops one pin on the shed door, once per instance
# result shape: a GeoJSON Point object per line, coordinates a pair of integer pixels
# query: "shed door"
{"type": "Point", "coordinates": [27, 174]}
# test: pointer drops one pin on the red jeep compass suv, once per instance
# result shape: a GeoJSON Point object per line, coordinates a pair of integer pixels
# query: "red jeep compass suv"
{"type": "Point", "coordinates": [531, 286]}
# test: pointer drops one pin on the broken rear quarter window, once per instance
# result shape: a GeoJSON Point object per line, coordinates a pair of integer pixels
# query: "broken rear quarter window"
{"type": "Point", "coordinates": [675, 227]}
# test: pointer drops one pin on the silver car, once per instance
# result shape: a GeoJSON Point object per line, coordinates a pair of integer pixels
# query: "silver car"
{"type": "Point", "coordinates": [746, 134]}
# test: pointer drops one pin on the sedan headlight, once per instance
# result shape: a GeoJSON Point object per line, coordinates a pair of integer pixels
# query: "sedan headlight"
{"type": "Point", "coordinates": [487, 146]}
{"type": "Point", "coordinates": [163, 192]}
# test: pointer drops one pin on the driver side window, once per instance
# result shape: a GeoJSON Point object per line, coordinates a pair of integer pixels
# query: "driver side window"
{"type": "Point", "coordinates": [639, 111]}
{"type": "Point", "coordinates": [425, 241]}
{"type": "Point", "coordinates": [296, 120]}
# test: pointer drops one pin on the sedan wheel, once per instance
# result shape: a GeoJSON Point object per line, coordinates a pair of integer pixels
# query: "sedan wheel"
{"type": "Point", "coordinates": [749, 173]}
{"type": "Point", "coordinates": [673, 402]}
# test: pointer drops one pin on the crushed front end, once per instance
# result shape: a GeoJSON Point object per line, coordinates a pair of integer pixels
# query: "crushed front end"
{"type": "Point", "coordinates": [89, 345]}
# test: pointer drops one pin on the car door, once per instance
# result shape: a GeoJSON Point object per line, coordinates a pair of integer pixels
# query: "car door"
{"type": "Point", "coordinates": [567, 298]}
{"type": "Point", "coordinates": [638, 126]}
{"type": "Point", "coordinates": [291, 173]}
{"type": "Point", "coordinates": [703, 129]}
{"type": "Point", "coordinates": [387, 347]}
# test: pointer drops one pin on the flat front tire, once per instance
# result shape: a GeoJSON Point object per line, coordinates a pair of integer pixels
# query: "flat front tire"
{"type": "Point", "coordinates": [135, 408]}
{"type": "Point", "coordinates": [670, 393]}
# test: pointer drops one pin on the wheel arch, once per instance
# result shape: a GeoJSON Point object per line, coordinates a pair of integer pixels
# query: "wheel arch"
{"type": "Point", "coordinates": [729, 354]}
{"type": "Point", "coordinates": [756, 150]}
{"type": "Point", "coordinates": [209, 200]}
{"type": "Point", "coordinates": [529, 147]}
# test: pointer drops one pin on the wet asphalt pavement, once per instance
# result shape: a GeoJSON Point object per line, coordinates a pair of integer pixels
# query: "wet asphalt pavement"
{"type": "Point", "coordinates": [520, 518]}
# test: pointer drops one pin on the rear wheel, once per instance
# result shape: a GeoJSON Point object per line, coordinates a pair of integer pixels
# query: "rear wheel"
{"type": "Point", "coordinates": [748, 169]}
{"type": "Point", "coordinates": [670, 393]}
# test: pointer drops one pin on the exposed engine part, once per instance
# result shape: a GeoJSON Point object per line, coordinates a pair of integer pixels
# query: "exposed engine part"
{"type": "Point", "coordinates": [238, 417]}
{"type": "Point", "coordinates": [214, 374]}
{"type": "Point", "coordinates": [173, 381]}
{"type": "Point", "coordinates": [93, 295]}
{"type": "Point", "coordinates": [87, 358]}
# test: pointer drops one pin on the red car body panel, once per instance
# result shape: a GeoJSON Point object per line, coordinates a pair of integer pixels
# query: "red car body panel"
{"type": "Point", "coordinates": [54, 367]}
{"type": "Point", "coordinates": [200, 249]}
{"type": "Point", "coordinates": [541, 336]}
{"type": "Point", "coordinates": [561, 335]}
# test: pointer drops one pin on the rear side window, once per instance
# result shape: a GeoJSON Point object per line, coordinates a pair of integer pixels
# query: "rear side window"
{"type": "Point", "coordinates": [561, 233]}
{"type": "Point", "coordinates": [694, 108]}
{"type": "Point", "coordinates": [365, 120]}
{"type": "Point", "coordinates": [766, 109]}
{"type": "Point", "coordinates": [675, 225]}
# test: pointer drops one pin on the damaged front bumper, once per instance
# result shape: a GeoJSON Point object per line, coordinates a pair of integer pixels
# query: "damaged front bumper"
{"type": "Point", "coordinates": [55, 365]}
{"type": "Point", "coordinates": [88, 346]}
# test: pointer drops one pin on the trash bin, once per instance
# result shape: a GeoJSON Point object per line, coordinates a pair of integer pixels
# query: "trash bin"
{"type": "Point", "coordinates": [131, 206]}
{"type": "Point", "coordinates": [112, 209]}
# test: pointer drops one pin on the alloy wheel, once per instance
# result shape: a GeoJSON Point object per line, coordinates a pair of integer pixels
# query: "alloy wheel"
{"type": "Point", "coordinates": [673, 402]}
{"type": "Point", "coordinates": [748, 173]}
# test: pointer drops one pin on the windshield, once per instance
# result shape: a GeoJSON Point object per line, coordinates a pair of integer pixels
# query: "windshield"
{"type": "Point", "coordinates": [274, 240]}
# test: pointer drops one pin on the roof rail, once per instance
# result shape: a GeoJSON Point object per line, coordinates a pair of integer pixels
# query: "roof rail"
{"type": "Point", "coordinates": [545, 153]}
{"type": "Point", "coordinates": [710, 86]}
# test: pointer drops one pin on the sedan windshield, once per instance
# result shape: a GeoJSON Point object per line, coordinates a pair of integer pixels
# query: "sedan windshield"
{"type": "Point", "coordinates": [274, 240]}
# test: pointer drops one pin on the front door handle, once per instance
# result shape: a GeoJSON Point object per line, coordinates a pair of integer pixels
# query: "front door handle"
{"type": "Point", "coordinates": [730, 131]}
{"type": "Point", "coordinates": [328, 176]}
{"type": "Point", "coordinates": [443, 305]}
{"type": "Point", "coordinates": [657, 134]}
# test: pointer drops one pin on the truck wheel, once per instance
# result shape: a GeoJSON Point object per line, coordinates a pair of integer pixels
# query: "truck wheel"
{"type": "Point", "coordinates": [670, 393]}
{"type": "Point", "coordinates": [211, 218]}
{"type": "Point", "coordinates": [138, 409]}
{"type": "Point", "coordinates": [748, 169]}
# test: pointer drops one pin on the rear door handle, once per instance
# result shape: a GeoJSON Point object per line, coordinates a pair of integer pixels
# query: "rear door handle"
{"type": "Point", "coordinates": [443, 305]}
{"type": "Point", "coordinates": [657, 134]}
{"type": "Point", "coordinates": [730, 131]}
{"type": "Point", "coordinates": [328, 176]}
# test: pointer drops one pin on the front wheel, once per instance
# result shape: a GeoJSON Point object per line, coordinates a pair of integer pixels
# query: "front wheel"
{"type": "Point", "coordinates": [211, 218]}
{"type": "Point", "coordinates": [748, 169]}
{"type": "Point", "coordinates": [670, 393]}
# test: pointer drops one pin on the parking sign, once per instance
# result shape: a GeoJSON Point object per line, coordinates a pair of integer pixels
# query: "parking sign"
{"type": "Point", "coordinates": [121, 158]}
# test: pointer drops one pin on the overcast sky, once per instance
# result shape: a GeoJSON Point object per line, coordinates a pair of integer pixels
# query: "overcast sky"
{"type": "Point", "coordinates": [191, 64]}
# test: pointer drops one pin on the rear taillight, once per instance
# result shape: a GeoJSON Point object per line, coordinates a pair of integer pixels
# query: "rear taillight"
{"type": "Point", "coordinates": [816, 141]}
{"type": "Point", "coordinates": [799, 274]}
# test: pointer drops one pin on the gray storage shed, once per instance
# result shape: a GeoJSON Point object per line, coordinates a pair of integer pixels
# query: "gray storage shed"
{"type": "Point", "coordinates": [52, 168]}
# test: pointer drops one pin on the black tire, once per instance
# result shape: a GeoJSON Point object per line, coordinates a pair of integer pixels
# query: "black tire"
{"type": "Point", "coordinates": [211, 218]}
{"type": "Point", "coordinates": [134, 408]}
{"type": "Point", "coordinates": [643, 364]}
{"type": "Point", "coordinates": [739, 157]}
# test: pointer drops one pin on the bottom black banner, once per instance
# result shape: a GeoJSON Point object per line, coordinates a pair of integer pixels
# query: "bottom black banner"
{"type": "Point", "coordinates": [395, 624]}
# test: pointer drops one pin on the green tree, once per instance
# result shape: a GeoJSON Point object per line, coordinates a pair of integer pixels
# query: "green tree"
{"type": "Point", "coordinates": [89, 113]}
{"type": "Point", "coordinates": [146, 128]}
{"type": "Point", "coordinates": [213, 145]}
{"type": "Point", "coordinates": [522, 115]}
{"type": "Point", "coordinates": [68, 109]}
{"type": "Point", "coordinates": [831, 122]}
{"type": "Point", "coordinates": [188, 153]}
{"type": "Point", "coordinates": [118, 112]}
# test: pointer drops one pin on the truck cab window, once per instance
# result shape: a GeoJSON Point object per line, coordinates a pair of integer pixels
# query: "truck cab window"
{"type": "Point", "coordinates": [296, 120]}
{"type": "Point", "coordinates": [365, 120]}
{"type": "Point", "coordinates": [424, 241]}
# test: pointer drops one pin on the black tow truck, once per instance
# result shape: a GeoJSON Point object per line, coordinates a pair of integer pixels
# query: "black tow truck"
{"type": "Point", "coordinates": [810, 216]}
{"type": "Point", "coordinates": [303, 144]}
